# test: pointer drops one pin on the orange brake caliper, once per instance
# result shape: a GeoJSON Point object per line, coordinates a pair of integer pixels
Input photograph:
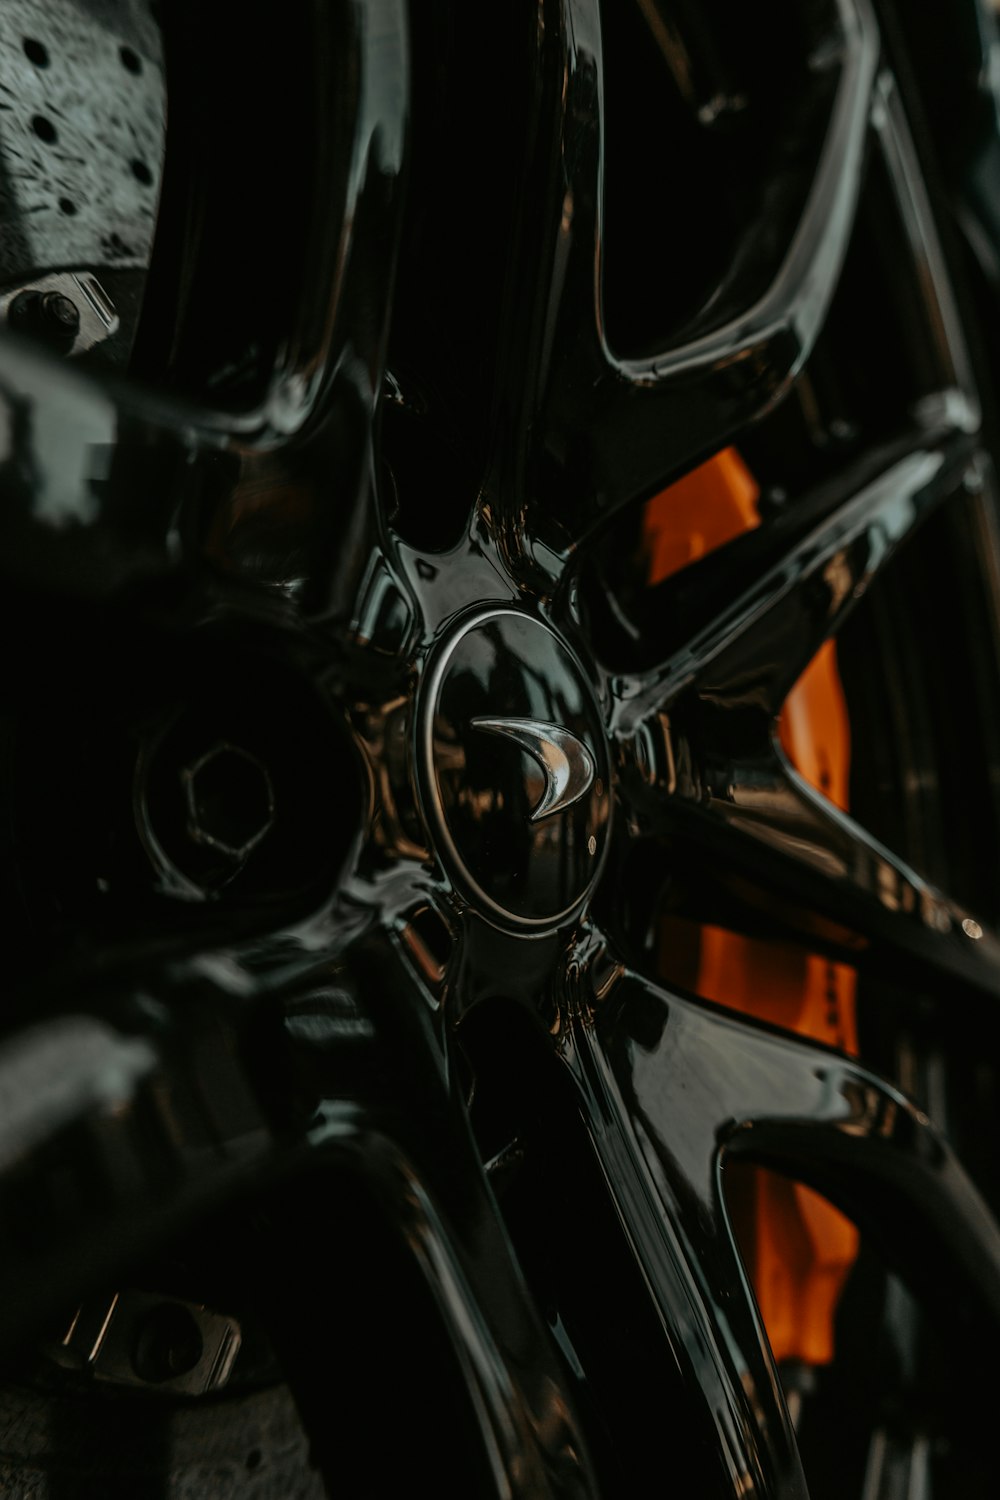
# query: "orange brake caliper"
{"type": "Point", "coordinates": [797, 1247]}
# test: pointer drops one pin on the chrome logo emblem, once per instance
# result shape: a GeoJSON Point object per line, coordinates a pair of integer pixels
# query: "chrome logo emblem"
{"type": "Point", "coordinates": [513, 773]}
{"type": "Point", "coordinates": [566, 763]}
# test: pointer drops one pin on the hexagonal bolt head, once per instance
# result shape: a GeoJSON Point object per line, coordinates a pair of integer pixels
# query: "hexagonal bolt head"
{"type": "Point", "coordinates": [230, 800]}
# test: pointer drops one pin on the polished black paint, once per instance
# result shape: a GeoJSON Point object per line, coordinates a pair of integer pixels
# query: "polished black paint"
{"type": "Point", "coordinates": [287, 1042]}
{"type": "Point", "coordinates": [601, 429]}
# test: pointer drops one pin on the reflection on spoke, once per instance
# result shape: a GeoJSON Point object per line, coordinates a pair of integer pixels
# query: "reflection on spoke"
{"type": "Point", "coordinates": [757, 647]}
{"type": "Point", "coordinates": [604, 429]}
{"type": "Point", "coordinates": [754, 815]}
{"type": "Point", "coordinates": [268, 330]}
{"type": "Point", "coordinates": [245, 1070]}
{"type": "Point", "coordinates": [106, 492]}
{"type": "Point", "coordinates": [663, 1188]}
{"type": "Point", "coordinates": [671, 1085]}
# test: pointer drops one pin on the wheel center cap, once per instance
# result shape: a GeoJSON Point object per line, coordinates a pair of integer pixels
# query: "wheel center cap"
{"type": "Point", "coordinates": [514, 770]}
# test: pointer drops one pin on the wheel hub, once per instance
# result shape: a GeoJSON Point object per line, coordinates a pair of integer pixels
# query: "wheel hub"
{"type": "Point", "coordinates": [514, 769]}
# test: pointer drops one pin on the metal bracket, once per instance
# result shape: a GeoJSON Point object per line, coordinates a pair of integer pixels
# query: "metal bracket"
{"type": "Point", "coordinates": [98, 318]}
{"type": "Point", "coordinates": [150, 1342]}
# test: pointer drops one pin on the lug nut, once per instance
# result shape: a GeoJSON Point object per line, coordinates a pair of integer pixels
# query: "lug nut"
{"type": "Point", "coordinates": [49, 316]}
{"type": "Point", "coordinates": [229, 799]}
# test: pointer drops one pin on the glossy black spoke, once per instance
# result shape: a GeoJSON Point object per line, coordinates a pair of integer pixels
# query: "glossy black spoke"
{"type": "Point", "coordinates": [282, 1066]}
{"type": "Point", "coordinates": [414, 1151]}
{"type": "Point", "coordinates": [828, 877]}
{"type": "Point", "coordinates": [99, 490]}
{"type": "Point", "coordinates": [748, 657]}
{"type": "Point", "coordinates": [909, 190]}
{"type": "Point", "coordinates": [691, 1084]}
{"type": "Point", "coordinates": [508, 1404]}
{"type": "Point", "coordinates": [702, 764]}
{"type": "Point", "coordinates": [265, 327]}
{"type": "Point", "coordinates": [356, 724]}
{"type": "Point", "coordinates": [813, 868]}
{"type": "Point", "coordinates": [161, 1085]}
{"type": "Point", "coordinates": [272, 276]}
{"type": "Point", "coordinates": [595, 430]}
{"type": "Point", "coordinates": [665, 1188]}
{"type": "Point", "coordinates": [106, 494]}
{"type": "Point", "coordinates": [668, 1088]}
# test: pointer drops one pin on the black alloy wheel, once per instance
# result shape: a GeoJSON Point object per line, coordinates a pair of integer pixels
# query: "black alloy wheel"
{"type": "Point", "coordinates": [352, 762]}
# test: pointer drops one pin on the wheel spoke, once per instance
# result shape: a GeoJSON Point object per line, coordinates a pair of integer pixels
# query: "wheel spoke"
{"type": "Point", "coordinates": [709, 770]}
{"type": "Point", "coordinates": [669, 1087]}
{"type": "Point", "coordinates": [274, 312]}
{"type": "Point", "coordinates": [264, 1065]}
{"type": "Point", "coordinates": [414, 1151]}
{"type": "Point", "coordinates": [906, 178]}
{"type": "Point", "coordinates": [829, 877]}
{"type": "Point", "coordinates": [749, 656]}
{"type": "Point", "coordinates": [91, 485]}
{"type": "Point", "coordinates": [604, 430]}
{"type": "Point", "coordinates": [104, 493]}
{"type": "Point", "coordinates": [438, 1022]}
{"type": "Point", "coordinates": [696, 1083]}
{"type": "Point", "coordinates": [665, 1191]}
{"type": "Point", "coordinates": [268, 330]}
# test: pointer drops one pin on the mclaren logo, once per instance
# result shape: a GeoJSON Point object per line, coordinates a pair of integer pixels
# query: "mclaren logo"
{"type": "Point", "coordinates": [566, 763]}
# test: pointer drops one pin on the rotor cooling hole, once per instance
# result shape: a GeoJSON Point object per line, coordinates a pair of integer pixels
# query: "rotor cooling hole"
{"type": "Point", "coordinates": [36, 52]}
{"type": "Point", "coordinates": [44, 129]}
